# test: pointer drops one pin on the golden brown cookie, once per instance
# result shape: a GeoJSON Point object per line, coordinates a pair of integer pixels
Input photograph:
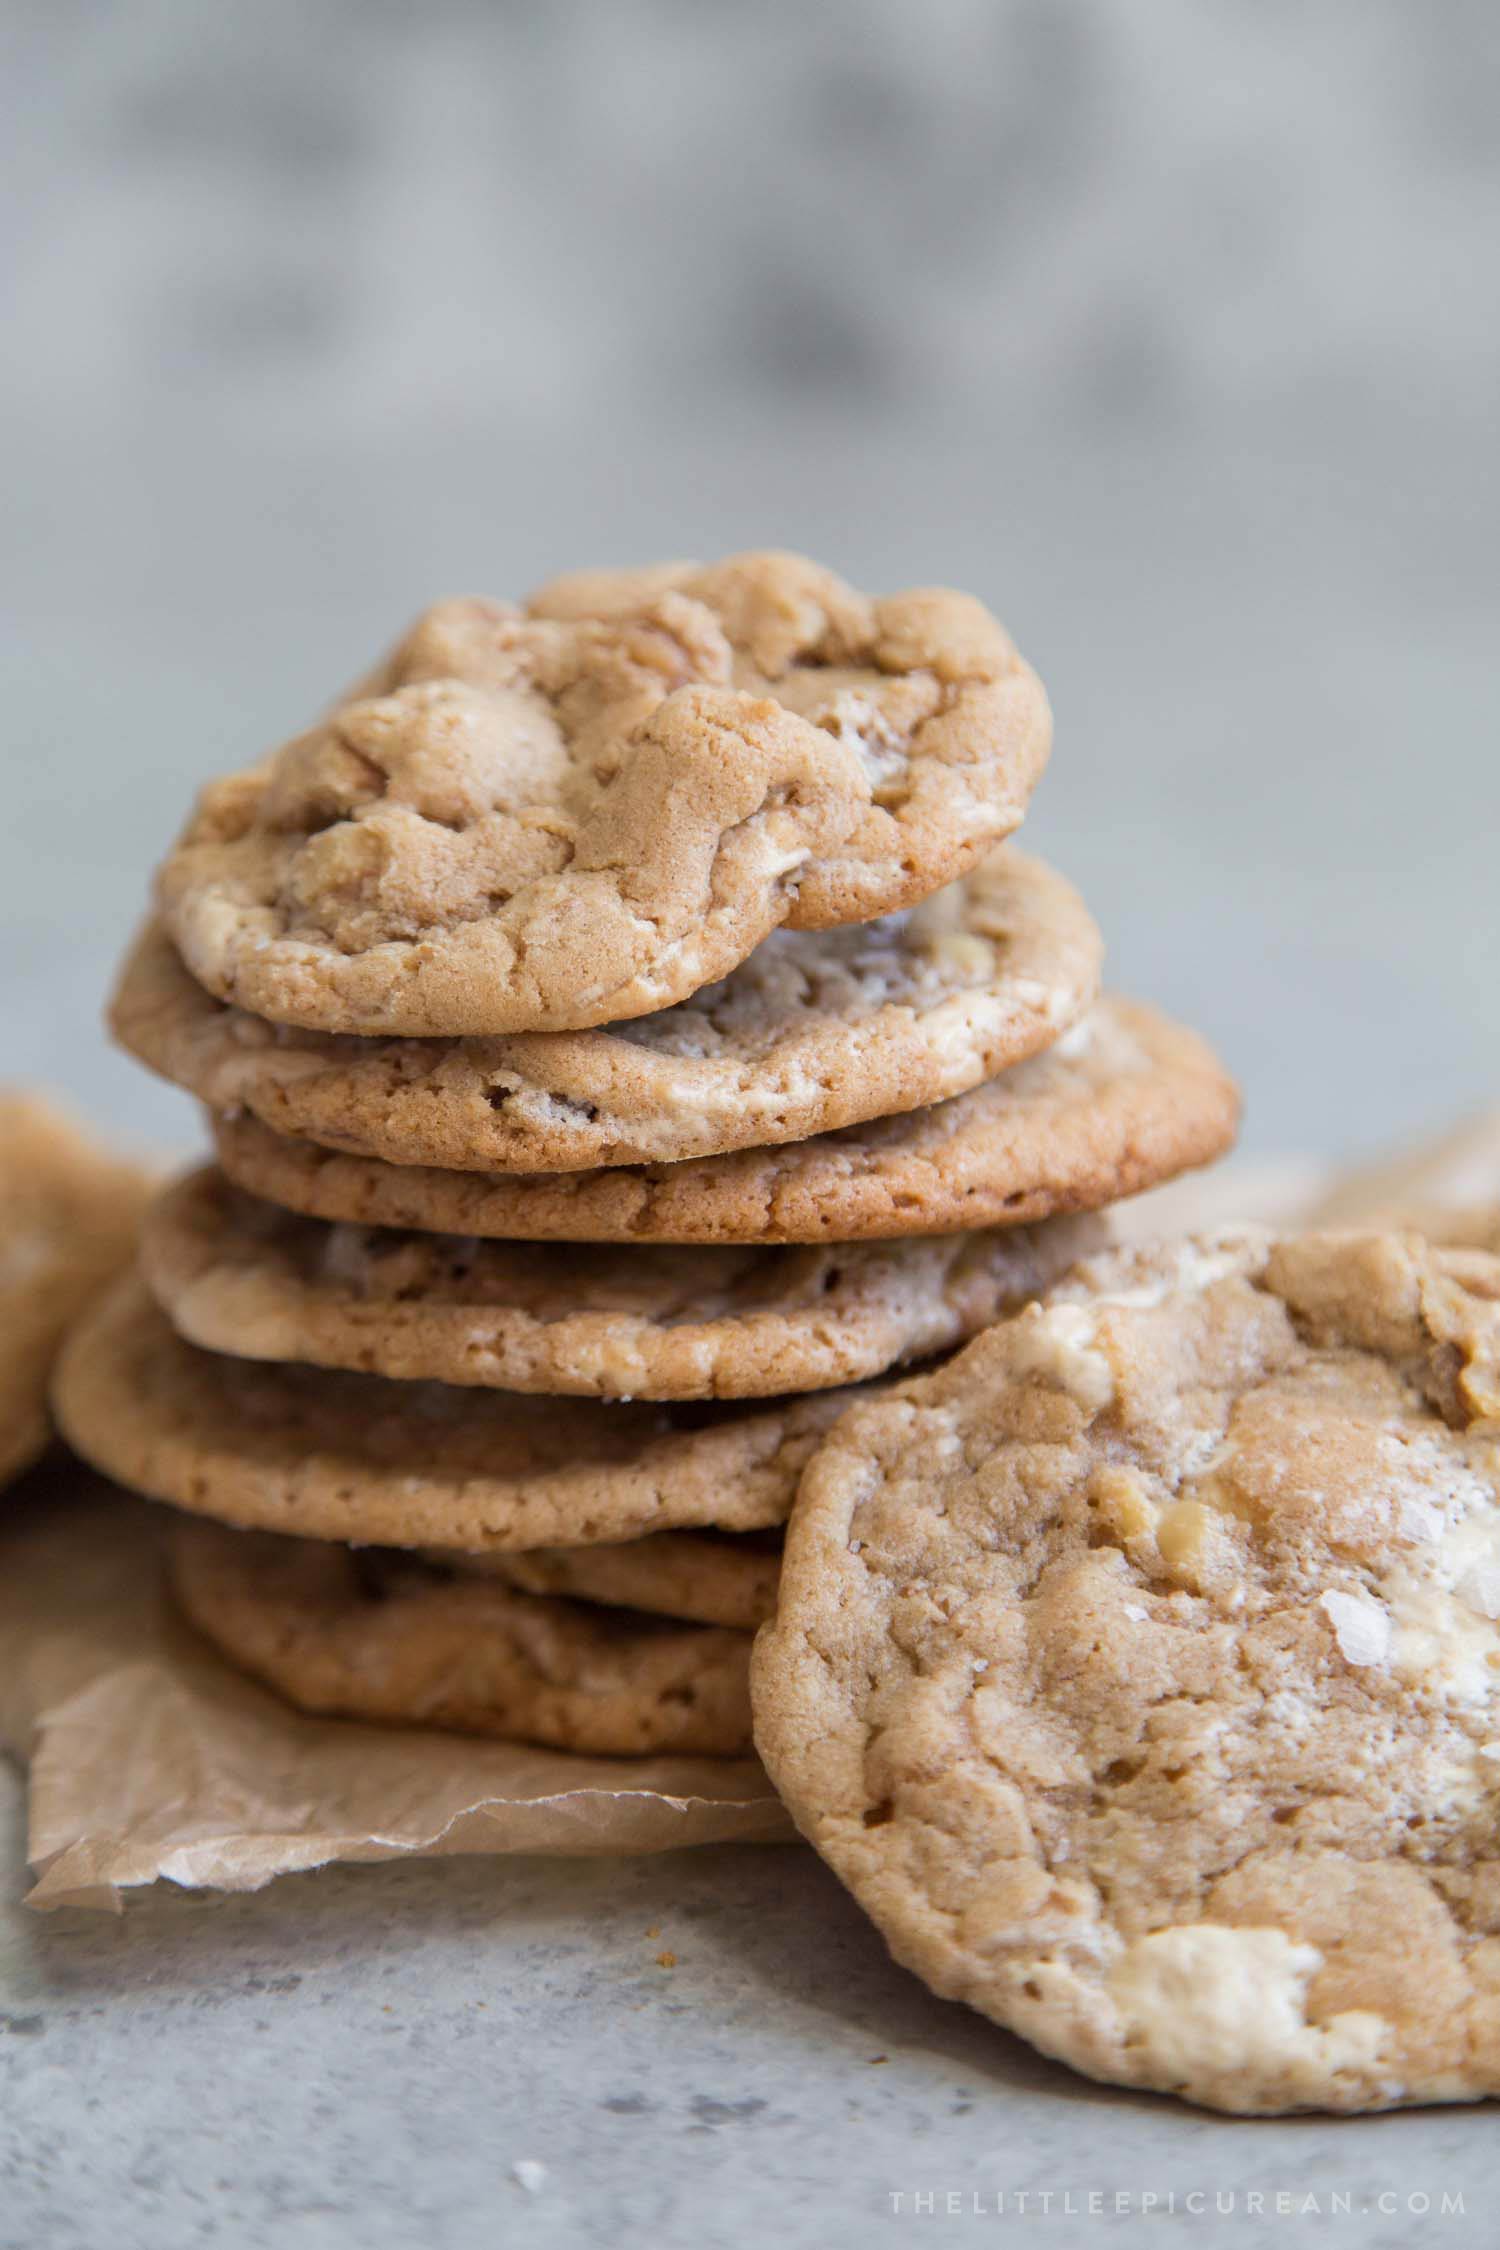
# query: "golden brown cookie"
{"type": "Point", "coordinates": [815, 1031]}
{"type": "Point", "coordinates": [1124, 1100]}
{"type": "Point", "coordinates": [545, 818]}
{"type": "Point", "coordinates": [708, 1577]}
{"type": "Point", "coordinates": [375, 1635]}
{"type": "Point", "coordinates": [601, 1321]}
{"type": "Point", "coordinates": [68, 1218]}
{"type": "Point", "coordinates": [337, 1456]}
{"type": "Point", "coordinates": [1139, 1671]}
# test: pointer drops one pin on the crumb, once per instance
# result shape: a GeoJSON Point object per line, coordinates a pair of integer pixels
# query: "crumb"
{"type": "Point", "coordinates": [655, 1930]}
{"type": "Point", "coordinates": [666, 1960]}
{"type": "Point", "coordinates": [528, 2174]}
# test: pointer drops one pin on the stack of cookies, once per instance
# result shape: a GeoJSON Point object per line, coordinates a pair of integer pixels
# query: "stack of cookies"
{"type": "Point", "coordinates": [626, 1034]}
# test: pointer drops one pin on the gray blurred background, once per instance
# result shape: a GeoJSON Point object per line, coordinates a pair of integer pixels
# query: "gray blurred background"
{"type": "Point", "coordinates": [1171, 329]}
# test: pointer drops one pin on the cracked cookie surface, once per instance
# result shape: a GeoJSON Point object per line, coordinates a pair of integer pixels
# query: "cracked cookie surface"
{"type": "Point", "coordinates": [1139, 1671]}
{"type": "Point", "coordinates": [584, 809]}
{"type": "Point", "coordinates": [1122, 1102]}
{"type": "Point", "coordinates": [604, 1321]}
{"type": "Point", "coordinates": [332, 1455]}
{"type": "Point", "coordinates": [385, 1637]}
{"type": "Point", "coordinates": [816, 1031]}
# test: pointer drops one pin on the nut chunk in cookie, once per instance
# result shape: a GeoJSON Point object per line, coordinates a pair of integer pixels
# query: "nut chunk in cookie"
{"type": "Point", "coordinates": [583, 810]}
{"type": "Point", "coordinates": [1139, 1672]}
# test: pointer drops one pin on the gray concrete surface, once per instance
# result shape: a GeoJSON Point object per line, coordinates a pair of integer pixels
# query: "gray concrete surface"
{"type": "Point", "coordinates": [384, 2057]}
{"type": "Point", "coordinates": [1170, 329]}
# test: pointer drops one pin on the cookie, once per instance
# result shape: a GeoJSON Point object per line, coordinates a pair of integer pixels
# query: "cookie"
{"type": "Point", "coordinates": [815, 1031]}
{"type": "Point", "coordinates": [385, 1637]}
{"type": "Point", "coordinates": [1275, 1192]}
{"type": "Point", "coordinates": [708, 1577]}
{"type": "Point", "coordinates": [952, 728]}
{"type": "Point", "coordinates": [1124, 1100]}
{"type": "Point", "coordinates": [1453, 1180]}
{"type": "Point", "coordinates": [613, 1322]}
{"type": "Point", "coordinates": [68, 1217]}
{"type": "Point", "coordinates": [1474, 1226]}
{"type": "Point", "coordinates": [1139, 1671]}
{"type": "Point", "coordinates": [331, 1455]}
{"type": "Point", "coordinates": [582, 811]}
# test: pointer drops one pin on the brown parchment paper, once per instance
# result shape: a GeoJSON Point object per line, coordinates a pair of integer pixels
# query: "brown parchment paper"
{"type": "Point", "coordinates": [151, 1760]}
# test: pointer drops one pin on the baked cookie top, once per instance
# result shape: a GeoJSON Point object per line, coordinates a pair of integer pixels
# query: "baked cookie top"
{"type": "Point", "coordinates": [68, 1217]}
{"type": "Point", "coordinates": [1123, 1101]}
{"type": "Point", "coordinates": [385, 1637]}
{"type": "Point", "coordinates": [599, 1320]}
{"type": "Point", "coordinates": [1138, 1671]}
{"type": "Point", "coordinates": [585, 808]}
{"type": "Point", "coordinates": [331, 1455]}
{"type": "Point", "coordinates": [817, 1030]}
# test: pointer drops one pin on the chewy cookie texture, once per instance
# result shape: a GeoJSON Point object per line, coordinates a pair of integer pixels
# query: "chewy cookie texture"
{"type": "Point", "coordinates": [708, 1577]}
{"type": "Point", "coordinates": [662, 1321]}
{"type": "Point", "coordinates": [1138, 1670]}
{"type": "Point", "coordinates": [584, 808]}
{"type": "Point", "coordinates": [388, 1637]}
{"type": "Point", "coordinates": [814, 1032]}
{"type": "Point", "coordinates": [632, 1046]}
{"type": "Point", "coordinates": [1123, 1100]}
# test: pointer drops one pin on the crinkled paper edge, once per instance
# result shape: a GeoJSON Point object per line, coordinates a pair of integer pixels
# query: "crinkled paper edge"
{"type": "Point", "coordinates": [150, 1760]}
